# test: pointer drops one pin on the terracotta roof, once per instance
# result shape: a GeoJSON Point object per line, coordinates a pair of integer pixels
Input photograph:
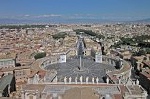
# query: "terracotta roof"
{"type": "Point", "coordinates": [147, 63]}
{"type": "Point", "coordinates": [32, 73]}
{"type": "Point", "coordinates": [8, 56]}
{"type": "Point", "coordinates": [1, 73]}
{"type": "Point", "coordinates": [42, 73]}
{"type": "Point", "coordinates": [146, 73]}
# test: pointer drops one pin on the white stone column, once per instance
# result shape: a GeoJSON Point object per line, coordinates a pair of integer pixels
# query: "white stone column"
{"type": "Point", "coordinates": [65, 80]}
{"type": "Point", "coordinates": [87, 80]}
{"type": "Point", "coordinates": [137, 82]}
{"type": "Point", "coordinates": [97, 79]}
{"type": "Point", "coordinates": [81, 79]}
{"type": "Point", "coordinates": [93, 80]}
{"type": "Point", "coordinates": [80, 63]}
{"type": "Point", "coordinates": [107, 80]}
{"type": "Point", "coordinates": [76, 80]}
{"type": "Point", "coordinates": [70, 80]}
{"type": "Point", "coordinates": [121, 62]}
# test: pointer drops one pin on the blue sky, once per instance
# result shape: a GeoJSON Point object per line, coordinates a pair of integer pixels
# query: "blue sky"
{"type": "Point", "coordinates": [75, 9]}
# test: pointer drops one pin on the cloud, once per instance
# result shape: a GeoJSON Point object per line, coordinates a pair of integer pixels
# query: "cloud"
{"type": "Point", "coordinates": [74, 16]}
{"type": "Point", "coordinates": [26, 15]}
{"type": "Point", "coordinates": [47, 15]}
{"type": "Point", "coordinates": [82, 16]}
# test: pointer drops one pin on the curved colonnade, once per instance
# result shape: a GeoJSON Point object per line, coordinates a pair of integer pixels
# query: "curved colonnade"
{"type": "Point", "coordinates": [115, 76]}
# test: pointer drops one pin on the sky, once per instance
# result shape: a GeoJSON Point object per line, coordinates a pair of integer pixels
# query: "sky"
{"type": "Point", "coordinates": [75, 9]}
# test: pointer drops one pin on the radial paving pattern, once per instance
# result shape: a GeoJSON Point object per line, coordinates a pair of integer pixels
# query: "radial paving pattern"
{"type": "Point", "coordinates": [71, 69]}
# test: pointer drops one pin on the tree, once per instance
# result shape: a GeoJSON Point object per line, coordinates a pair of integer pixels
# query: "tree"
{"type": "Point", "coordinates": [139, 53]}
{"type": "Point", "coordinates": [21, 26]}
{"type": "Point", "coordinates": [147, 50]}
{"type": "Point", "coordinates": [127, 41]}
{"type": "Point", "coordinates": [89, 32]}
{"type": "Point", "coordinates": [59, 35]}
{"type": "Point", "coordinates": [40, 55]}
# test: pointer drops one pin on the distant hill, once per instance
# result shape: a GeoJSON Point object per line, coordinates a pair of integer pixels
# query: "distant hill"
{"type": "Point", "coordinates": [88, 21]}
{"type": "Point", "coordinates": [61, 20]}
{"type": "Point", "coordinates": [143, 20]}
{"type": "Point", "coordinates": [13, 21]}
{"type": "Point", "coordinates": [21, 21]}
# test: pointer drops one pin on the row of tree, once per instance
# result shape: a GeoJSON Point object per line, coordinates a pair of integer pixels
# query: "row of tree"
{"type": "Point", "coordinates": [142, 52]}
{"type": "Point", "coordinates": [89, 32]}
{"type": "Point", "coordinates": [139, 41]}
{"type": "Point", "coordinates": [24, 26]}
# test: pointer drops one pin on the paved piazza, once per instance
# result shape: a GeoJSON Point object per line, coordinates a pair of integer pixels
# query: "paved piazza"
{"type": "Point", "coordinates": [75, 69]}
